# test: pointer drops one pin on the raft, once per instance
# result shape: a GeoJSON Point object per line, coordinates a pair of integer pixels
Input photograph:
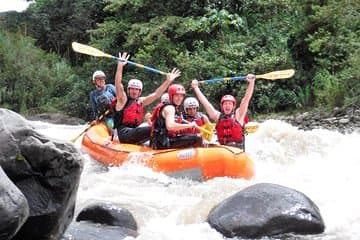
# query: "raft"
{"type": "Point", "coordinates": [201, 163]}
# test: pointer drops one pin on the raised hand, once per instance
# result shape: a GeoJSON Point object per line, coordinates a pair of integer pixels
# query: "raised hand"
{"type": "Point", "coordinates": [250, 78]}
{"type": "Point", "coordinates": [173, 74]}
{"type": "Point", "coordinates": [194, 83]}
{"type": "Point", "coordinates": [124, 56]}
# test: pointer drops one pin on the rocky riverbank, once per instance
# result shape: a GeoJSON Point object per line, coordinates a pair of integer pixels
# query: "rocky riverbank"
{"type": "Point", "coordinates": [339, 119]}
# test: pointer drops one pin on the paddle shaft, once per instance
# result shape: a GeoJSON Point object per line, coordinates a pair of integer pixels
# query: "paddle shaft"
{"type": "Point", "coordinates": [213, 80]}
{"type": "Point", "coordinates": [140, 66]}
{"type": "Point", "coordinates": [90, 125]}
{"type": "Point", "coordinates": [269, 76]}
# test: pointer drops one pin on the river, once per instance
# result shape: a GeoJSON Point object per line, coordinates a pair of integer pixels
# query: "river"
{"type": "Point", "coordinates": [322, 164]}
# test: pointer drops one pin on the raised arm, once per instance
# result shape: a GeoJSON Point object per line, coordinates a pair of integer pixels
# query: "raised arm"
{"type": "Point", "coordinates": [211, 111]}
{"type": "Point", "coordinates": [244, 104]}
{"type": "Point", "coordinates": [120, 92]}
{"type": "Point", "coordinates": [160, 90]}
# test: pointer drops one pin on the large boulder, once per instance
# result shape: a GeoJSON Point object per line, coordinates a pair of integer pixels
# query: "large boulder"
{"type": "Point", "coordinates": [266, 210]}
{"type": "Point", "coordinates": [47, 171]}
{"type": "Point", "coordinates": [14, 208]}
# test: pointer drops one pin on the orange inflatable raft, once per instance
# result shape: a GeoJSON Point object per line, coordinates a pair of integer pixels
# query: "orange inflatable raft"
{"type": "Point", "coordinates": [200, 163]}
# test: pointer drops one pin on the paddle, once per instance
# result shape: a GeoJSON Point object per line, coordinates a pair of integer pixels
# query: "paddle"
{"type": "Point", "coordinates": [205, 131]}
{"type": "Point", "coordinates": [81, 48]}
{"type": "Point", "coordinates": [251, 127]}
{"type": "Point", "coordinates": [269, 76]}
{"type": "Point", "coordinates": [73, 140]}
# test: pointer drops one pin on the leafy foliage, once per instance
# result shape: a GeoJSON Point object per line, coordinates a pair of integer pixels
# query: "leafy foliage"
{"type": "Point", "coordinates": [31, 80]}
{"type": "Point", "coordinates": [204, 39]}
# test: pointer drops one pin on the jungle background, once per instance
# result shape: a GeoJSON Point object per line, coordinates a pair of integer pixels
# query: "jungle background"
{"type": "Point", "coordinates": [39, 71]}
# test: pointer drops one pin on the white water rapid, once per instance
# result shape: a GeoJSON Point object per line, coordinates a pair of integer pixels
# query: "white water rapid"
{"type": "Point", "coordinates": [322, 164]}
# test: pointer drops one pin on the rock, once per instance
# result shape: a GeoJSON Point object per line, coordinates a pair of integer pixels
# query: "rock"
{"type": "Point", "coordinates": [102, 221]}
{"type": "Point", "coordinates": [344, 121]}
{"type": "Point", "coordinates": [91, 231]}
{"type": "Point", "coordinates": [340, 119]}
{"type": "Point", "coordinates": [14, 209]}
{"type": "Point", "coordinates": [46, 171]}
{"type": "Point", "coordinates": [109, 214]}
{"type": "Point", "coordinates": [266, 210]}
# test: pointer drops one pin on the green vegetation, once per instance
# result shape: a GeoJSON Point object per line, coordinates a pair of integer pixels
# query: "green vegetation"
{"type": "Point", "coordinates": [319, 39]}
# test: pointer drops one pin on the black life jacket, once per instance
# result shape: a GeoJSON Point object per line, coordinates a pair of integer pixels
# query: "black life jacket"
{"type": "Point", "coordinates": [159, 133]}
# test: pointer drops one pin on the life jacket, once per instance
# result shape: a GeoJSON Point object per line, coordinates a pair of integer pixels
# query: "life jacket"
{"type": "Point", "coordinates": [229, 130]}
{"type": "Point", "coordinates": [159, 133]}
{"type": "Point", "coordinates": [198, 119]}
{"type": "Point", "coordinates": [131, 115]}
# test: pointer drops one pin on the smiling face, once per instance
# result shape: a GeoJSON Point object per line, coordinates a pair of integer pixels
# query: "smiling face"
{"type": "Point", "coordinates": [191, 111]}
{"type": "Point", "coordinates": [99, 82]}
{"type": "Point", "coordinates": [178, 99]}
{"type": "Point", "coordinates": [228, 107]}
{"type": "Point", "coordinates": [134, 92]}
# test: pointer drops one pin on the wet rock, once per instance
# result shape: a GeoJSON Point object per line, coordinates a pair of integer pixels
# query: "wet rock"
{"type": "Point", "coordinates": [14, 209]}
{"type": "Point", "coordinates": [46, 171]}
{"type": "Point", "coordinates": [109, 214]}
{"type": "Point", "coordinates": [266, 210]}
{"type": "Point", "coordinates": [92, 231]}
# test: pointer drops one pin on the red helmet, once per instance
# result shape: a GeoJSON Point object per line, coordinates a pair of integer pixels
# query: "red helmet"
{"type": "Point", "coordinates": [175, 89]}
{"type": "Point", "coordinates": [227, 97]}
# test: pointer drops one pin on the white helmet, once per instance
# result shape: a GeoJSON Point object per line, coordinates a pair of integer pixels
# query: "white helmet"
{"type": "Point", "coordinates": [135, 83]}
{"type": "Point", "coordinates": [191, 102]}
{"type": "Point", "coordinates": [97, 74]}
{"type": "Point", "coordinates": [165, 98]}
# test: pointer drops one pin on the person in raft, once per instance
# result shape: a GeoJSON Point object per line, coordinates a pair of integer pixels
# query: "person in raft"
{"type": "Point", "coordinates": [129, 108]}
{"type": "Point", "coordinates": [101, 99]}
{"type": "Point", "coordinates": [192, 114]}
{"type": "Point", "coordinates": [230, 121]}
{"type": "Point", "coordinates": [167, 123]}
{"type": "Point", "coordinates": [164, 99]}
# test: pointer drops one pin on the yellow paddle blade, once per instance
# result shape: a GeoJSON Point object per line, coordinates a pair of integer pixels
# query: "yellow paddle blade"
{"type": "Point", "coordinates": [277, 74]}
{"type": "Point", "coordinates": [85, 49]}
{"type": "Point", "coordinates": [251, 127]}
{"type": "Point", "coordinates": [207, 131]}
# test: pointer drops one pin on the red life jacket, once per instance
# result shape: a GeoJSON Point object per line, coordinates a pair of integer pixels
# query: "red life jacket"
{"type": "Point", "coordinates": [198, 119]}
{"type": "Point", "coordinates": [133, 113]}
{"type": "Point", "coordinates": [229, 129]}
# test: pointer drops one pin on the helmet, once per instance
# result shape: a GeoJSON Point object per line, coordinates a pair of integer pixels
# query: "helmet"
{"type": "Point", "coordinates": [165, 98]}
{"type": "Point", "coordinates": [227, 98]}
{"type": "Point", "coordinates": [135, 83]}
{"type": "Point", "coordinates": [175, 89]}
{"type": "Point", "coordinates": [97, 74]}
{"type": "Point", "coordinates": [191, 102]}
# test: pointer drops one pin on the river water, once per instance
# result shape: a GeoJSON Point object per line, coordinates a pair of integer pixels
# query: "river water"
{"type": "Point", "coordinates": [322, 164]}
